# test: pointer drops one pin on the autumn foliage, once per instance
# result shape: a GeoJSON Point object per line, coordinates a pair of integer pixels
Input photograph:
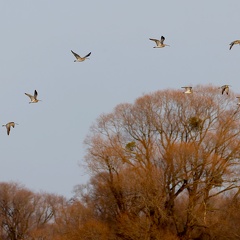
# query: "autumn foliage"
{"type": "Point", "coordinates": [164, 167]}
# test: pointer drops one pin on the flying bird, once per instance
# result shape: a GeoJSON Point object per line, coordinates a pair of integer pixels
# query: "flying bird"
{"type": "Point", "coordinates": [225, 88]}
{"type": "Point", "coordinates": [188, 89]}
{"type": "Point", "coordinates": [33, 98]}
{"type": "Point", "coordinates": [9, 125]}
{"type": "Point", "coordinates": [80, 59]}
{"type": "Point", "coordinates": [233, 43]}
{"type": "Point", "coordinates": [159, 43]}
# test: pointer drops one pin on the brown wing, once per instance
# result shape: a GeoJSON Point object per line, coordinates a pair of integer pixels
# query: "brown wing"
{"type": "Point", "coordinates": [75, 54]}
{"type": "Point", "coordinates": [223, 89]}
{"type": "Point", "coordinates": [29, 95]}
{"type": "Point", "coordinates": [8, 130]}
{"type": "Point", "coordinates": [233, 43]}
{"type": "Point", "coordinates": [155, 40]}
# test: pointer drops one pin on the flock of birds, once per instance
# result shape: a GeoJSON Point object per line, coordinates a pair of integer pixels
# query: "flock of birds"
{"type": "Point", "coordinates": [34, 99]}
{"type": "Point", "coordinates": [225, 88]}
{"type": "Point", "coordinates": [159, 44]}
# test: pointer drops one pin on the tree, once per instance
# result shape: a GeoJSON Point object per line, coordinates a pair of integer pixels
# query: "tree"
{"type": "Point", "coordinates": [23, 213]}
{"type": "Point", "coordinates": [166, 150]}
{"type": "Point", "coordinates": [76, 222]}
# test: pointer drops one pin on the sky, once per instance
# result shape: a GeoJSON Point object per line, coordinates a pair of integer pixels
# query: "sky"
{"type": "Point", "coordinates": [45, 152]}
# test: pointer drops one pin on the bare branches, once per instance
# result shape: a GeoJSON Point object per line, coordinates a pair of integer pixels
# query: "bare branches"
{"type": "Point", "coordinates": [191, 141]}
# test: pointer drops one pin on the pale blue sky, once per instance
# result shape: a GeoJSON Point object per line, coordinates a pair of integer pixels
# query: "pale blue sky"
{"type": "Point", "coordinates": [44, 151]}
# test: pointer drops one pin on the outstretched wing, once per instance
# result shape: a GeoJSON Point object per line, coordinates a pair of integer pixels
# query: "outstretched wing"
{"type": "Point", "coordinates": [231, 45]}
{"type": "Point", "coordinates": [8, 130]}
{"type": "Point", "coordinates": [87, 55]}
{"type": "Point", "coordinates": [223, 89]}
{"type": "Point", "coordinates": [9, 125]}
{"type": "Point", "coordinates": [29, 95]}
{"type": "Point", "coordinates": [155, 40]}
{"type": "Point", "coordinates": [35, 94]}
{"type": "Point", "coordinates": [75, 54]}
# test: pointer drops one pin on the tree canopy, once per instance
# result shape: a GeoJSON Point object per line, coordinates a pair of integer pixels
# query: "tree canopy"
{"type": "Point", "coordinates": [160, 163]}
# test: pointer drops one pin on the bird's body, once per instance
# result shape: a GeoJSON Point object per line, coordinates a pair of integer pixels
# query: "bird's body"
{"type": "Point", "coordinates": [234, 43]}
{"type": "Point", "coordinates": [188, 90]}
{"type": "Point", "coordinates": [80, 59]}
{"type": "Point", "coordinates": [33, 98]}
{"type": "Point", "coordinates": [9, 125]}
{"type": "Point", "coordinates": [225, 88]}
{"type": "Point", "coordinates": [159, 43]}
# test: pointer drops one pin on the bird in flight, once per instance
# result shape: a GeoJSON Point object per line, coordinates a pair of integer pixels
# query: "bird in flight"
{"type": "Point", "coordinates": [159, 43]}
{"type": "Point", "coordinates": [80, 59]}
{"type": "Point", "coordinates": [33, 98]}
{"type": "Point", "coordinates": [233, 43]}
{"type": "Point", "coordinates": [225, 88]}
{"type": "Point", "coordinates": [188, 89]}
{"type": "Point", "coordinates": [9, 125]}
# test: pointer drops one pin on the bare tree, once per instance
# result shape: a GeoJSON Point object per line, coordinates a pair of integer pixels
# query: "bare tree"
{"type": "Point", "coordinates": [166, 148]}
{"type": "Point", "coordinates": [22, 212]}
{"type": "Point", "coordinates": [75, 221]}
